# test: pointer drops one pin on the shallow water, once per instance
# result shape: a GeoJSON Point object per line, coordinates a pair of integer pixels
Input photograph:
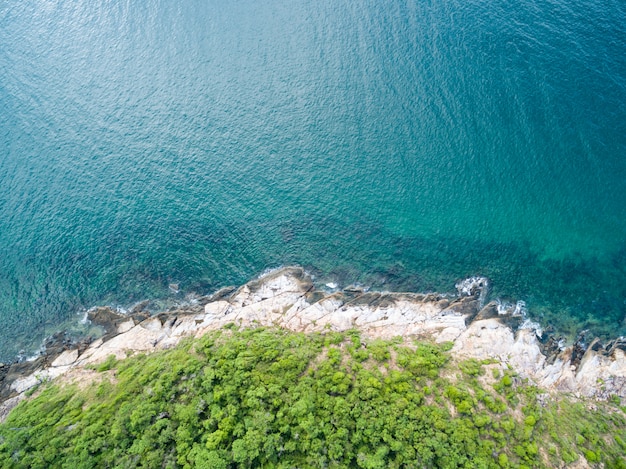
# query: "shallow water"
{"type": "Point", "coordinates": [403, 146]}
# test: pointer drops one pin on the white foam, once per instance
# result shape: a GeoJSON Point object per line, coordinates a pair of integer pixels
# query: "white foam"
{"type": "Point", "coordinates": [85, 319]}
{"type": "Point", "coordinates": [520, 309]}
{"type": "Point", "coordinates": [470, 285]}
{"type": "Point", "coordinates": [270, 271]}
{"type": "Point", "coordinates": [506, 308]}
{"type": "Point", "coordinates": [532, 325]}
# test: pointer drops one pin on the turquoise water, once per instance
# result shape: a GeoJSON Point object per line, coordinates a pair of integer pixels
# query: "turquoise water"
{"type": "Point", "coordinates": [403, 145]}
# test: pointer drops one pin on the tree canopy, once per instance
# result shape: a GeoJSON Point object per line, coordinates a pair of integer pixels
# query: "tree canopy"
{"type": "Point", "coordinates": [276, 399]}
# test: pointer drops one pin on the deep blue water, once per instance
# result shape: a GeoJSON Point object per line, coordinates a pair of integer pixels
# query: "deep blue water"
{"type": "Point", "coordinates": [400, 144]}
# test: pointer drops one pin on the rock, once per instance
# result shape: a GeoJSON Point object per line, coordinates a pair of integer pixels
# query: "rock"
{"type": "Point", "coordinates": [579, 348]}
{"type": "Point", "coordinates": [153, 324]}
{"type": "Point", "coordinates": [365, 299]}
{"type": "Point", "coordinates": [488, 338]}
{"type": "Point", "coordinates": [216, 309]}
{"type": "Point", "coordinates": [314, 296]}
{"type": "Point", "coordinates": [66, 358]}
{"type": "Point", "coordinates": [125, 326]}
{"type": "Point", "coordinates": [526, 354]}
{"type": "Point", "coordinates": [467, 306]}
{"type": "Point", "coordinates": [280, 280]}
{"type": "Point", "coordinates": [56, 344]}
{"type": "Point", "coordinates": [489, 311]}
{"type": "Point", "coordinates": [106, 318]}
{"type": "Point", "coordinates": [8, 405]}
{"type": "Point", "coordinates": [139, 316]}
{"type": "Point", "coordinates": [83, 344]}
{"type": "Point", "coordinates": [616, 344]}
{"type": "Point", "coordinates": [551, 348]}
{"type": "Point", "coordinates": [18, 371]}
{"type": "Point", "coordinates": [286, 298]}
{"type": "Point", "coordinates": [474, 286]}
{"type": "Point", "coordinates": [141, 338]}
{"type": "Point", "coordinates": [222, 293]}
{"type": "Point", "coordinates": [25, 383]}
{"type": "Point", "coordinates": [140, 307]}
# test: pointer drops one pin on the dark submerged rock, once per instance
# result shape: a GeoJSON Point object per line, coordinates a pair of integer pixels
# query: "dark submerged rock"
{"type": "Point", "coordinates": [612, 346]}
{"type": "Point", "coordinates": [580, 347]}
{"type": "Point", "coordinates": [141, 307]}
{"type": "Point", "coordinates": [467, 306]}
{"type": "Point", "coordinates": [108, 319]}
{"type": "Point", "coordinates": [221, 294]}
{"type": "Point", "coordinates": [550, 346]}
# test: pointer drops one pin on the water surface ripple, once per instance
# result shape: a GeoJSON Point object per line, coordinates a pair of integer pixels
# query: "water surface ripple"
{"type": "Point", "coordinates": [403, 145]}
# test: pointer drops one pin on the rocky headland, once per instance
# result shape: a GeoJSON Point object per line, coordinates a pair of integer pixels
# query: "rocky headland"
{"type": "Point", "coordinates": [287, 298]}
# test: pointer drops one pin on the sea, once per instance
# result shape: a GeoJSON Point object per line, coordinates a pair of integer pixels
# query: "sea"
{"type": "Point", "coordinates": [164, 149]}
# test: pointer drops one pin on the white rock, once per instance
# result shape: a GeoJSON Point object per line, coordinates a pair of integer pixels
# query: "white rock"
{"type": "Point", "coordinates": [216, 308]}
{"type": "Point", "coordinates": [66, 358]}
{"type": "Point", "coordinates": [125, 326]}
{"type": "Point", "coordinates": [151, 324]}
{"type": "Point", "coordinates": [279, 299]}
{"type": "Point", "coordinates": [24, 384]}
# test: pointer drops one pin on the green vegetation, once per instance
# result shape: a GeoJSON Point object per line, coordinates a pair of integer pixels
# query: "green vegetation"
{"type": "Point", "coordinates": [276, 399]}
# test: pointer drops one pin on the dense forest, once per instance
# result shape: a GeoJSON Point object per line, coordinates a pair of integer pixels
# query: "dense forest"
{"type": "Point", "coordinates": [275, 399]}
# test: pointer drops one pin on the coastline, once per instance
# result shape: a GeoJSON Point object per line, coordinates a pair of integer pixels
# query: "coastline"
{"type": "Point", "coordinates": [287, 298]}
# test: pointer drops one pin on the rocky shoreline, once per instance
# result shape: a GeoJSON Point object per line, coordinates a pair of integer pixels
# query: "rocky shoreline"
{"type": "Point", "coordinates": [287, 298]}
